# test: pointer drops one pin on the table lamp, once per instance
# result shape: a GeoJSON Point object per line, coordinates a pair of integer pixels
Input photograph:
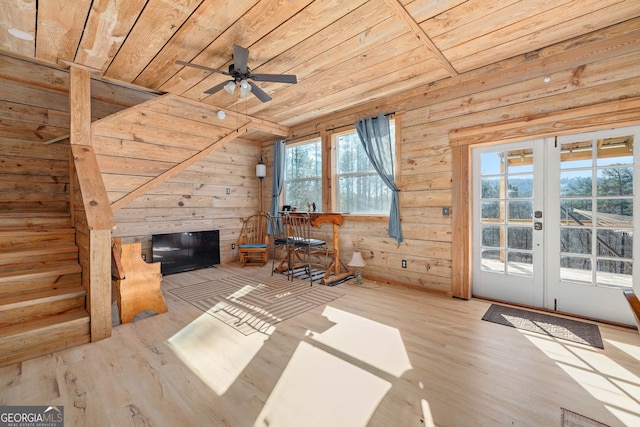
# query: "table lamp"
{"type": "Point", "coordinates": [357, 262]}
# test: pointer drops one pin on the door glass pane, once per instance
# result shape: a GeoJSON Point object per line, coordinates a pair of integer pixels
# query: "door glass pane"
{"type": "Point", "coordinates": [492, 236]}
{"type": "Point", "coordinates": [507, 211]}
{"type": "Point", "coordinates": [492, 187]}
{"type": "Point", "coordinates": [575, 211]}
{"type": "Point", "coordinates": [520, 238]}
{"type": "Point", "coordinates": [521, 211]}
{"type": "Point", "coordinates": [575, 183]}
{"type": "Point", "coordinates": [575, 240]}
{"type": "Point", "coordinates": [520, 186]}
{"type": "Point", "coordinates": [520, 264]}
{"type": "Point", "coordinates": [614, 273]}
{"type": "Point", "coordinates": [615, 151]}
{"type": "Point", "coordinates": [617, 211]}
{"type": "Point", "coordinates": [615, 182]}
{"type": "Point", "coordinates": [520, 160]}
{"type": "Point", "coordinates": [493, 261]}
{"type": "Point", "coordinates": [576, 155]}
{"type": "Point", "coordinates": [615, 243]}
{"type": "Point", "coordinates": [604, 237]}
{"type": "Point", "coordinates": [492, 210]}
{"type": "Point", "coordinates": [576, 270]}
{"type": "Point", "coordinates": [492, 163]}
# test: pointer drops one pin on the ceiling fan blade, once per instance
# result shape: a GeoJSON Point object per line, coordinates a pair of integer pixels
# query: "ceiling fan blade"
{"type": "Point", "coordinates": [217, 87]}
{"type": "Point", "coordinates": [278, 78]}
{"type": "Point", "coordinates": [240, 58]}
{"type": "Point", "coordinates": [202, 67]}
{"type": "Point", "coordinates": [262, 95]}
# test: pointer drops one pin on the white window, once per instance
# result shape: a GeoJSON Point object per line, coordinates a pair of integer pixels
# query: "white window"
{"type": "Point", "coordinates": [303, 175]}
{"type": "Point", "coordinates": [359, 188]}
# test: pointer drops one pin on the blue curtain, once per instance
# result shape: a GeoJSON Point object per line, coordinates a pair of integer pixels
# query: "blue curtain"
{"type": "Point", "coordinates": [278, 179]}
{"type": "Point", "coordinates": [375, 136]}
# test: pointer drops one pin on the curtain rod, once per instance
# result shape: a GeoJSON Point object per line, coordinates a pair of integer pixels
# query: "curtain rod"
{"type": "Point", "coordinates": [328, 130]}
{"type": "Point", "coordinates": [303, 136]}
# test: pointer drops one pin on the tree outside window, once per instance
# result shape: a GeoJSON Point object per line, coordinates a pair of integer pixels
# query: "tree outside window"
{"type": "Point", "coordinates": [303, 174]}
{"type": "Point", "coordinates": [359, 187]}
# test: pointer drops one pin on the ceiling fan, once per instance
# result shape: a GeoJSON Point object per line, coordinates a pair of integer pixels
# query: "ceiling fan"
{"type": "Point", "coordinates": [240, 73]}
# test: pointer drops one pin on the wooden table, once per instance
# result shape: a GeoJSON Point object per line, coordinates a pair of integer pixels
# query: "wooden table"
{"type": "Point", "coordinates": [336, 265]}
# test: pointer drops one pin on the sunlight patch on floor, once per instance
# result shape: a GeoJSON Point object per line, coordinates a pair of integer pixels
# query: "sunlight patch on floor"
{"type": "Point", "coordinates": [214, 351]}
{"type": "Point", "coordinates": [604, 379]}
{"type": "Point", "coordinates": [320, 389]}
{"type": "Point", "coordinates": [631, 350]}
{"type": "Point", "coordinates": [605, 366]}
{"type": "Point", "coordinates": [374, 343]}
{"type": "Point", "coordinates": [335, 377]}
{"type": "Point", "coordinates": [245, 290]}
{"type": "Point", "coordinates": [556, 350]}
{"type": "Point", "coordinates": [426, 413]}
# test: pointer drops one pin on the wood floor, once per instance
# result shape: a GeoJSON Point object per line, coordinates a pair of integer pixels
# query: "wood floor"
{"type": "Point", "coordinates": [379, 355]}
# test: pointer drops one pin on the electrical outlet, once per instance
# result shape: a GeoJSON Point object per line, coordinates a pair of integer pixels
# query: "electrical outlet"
{"type": "Point", "coordinates": [404, 263]}
{"type": "Point", "coordinates": [233, 246]}
{"type": "Point", "coordinates": [445, 211]}
{"type": "Point", "coordinates": [228, 191]}
{"type": "Point", "coordinates": [144, 257]}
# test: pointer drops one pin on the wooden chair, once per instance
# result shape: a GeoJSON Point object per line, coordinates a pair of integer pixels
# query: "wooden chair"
{"type": "Point", "coordinates": [137, 282]}
{"type": "Point", "coordinates": [301, 244]}
{"type": "Point", "coordinates": [253, 242]}
{"type": "Point", "coordinates": [279, 238]}
{"type": "Point", "coordinates": [634, 302]}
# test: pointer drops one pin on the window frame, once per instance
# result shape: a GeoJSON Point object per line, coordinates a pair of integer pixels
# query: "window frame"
{"type": "Point", "coordinates": [329, 158]}
{"type": "Point", "coordinates": [335, 176]}
{"type": "Point", "coordinates": [319, 178]}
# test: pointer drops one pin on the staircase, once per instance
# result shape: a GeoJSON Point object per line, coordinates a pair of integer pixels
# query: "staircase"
{"type": "Point", "coordinates": [42, 301]}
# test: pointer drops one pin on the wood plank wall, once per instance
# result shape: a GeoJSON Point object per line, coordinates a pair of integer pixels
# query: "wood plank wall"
{"type": "Point", "coordinates": [34, 109]}
{"type": "Point", "coordinates": [583, 72]}
{"type": "Point", "coordinates": [139, 144]}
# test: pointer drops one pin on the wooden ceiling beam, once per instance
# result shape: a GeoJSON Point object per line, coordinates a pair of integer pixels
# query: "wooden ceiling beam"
{"type": "Point", "coordinates": [269, 127]}
{"type": "Point", "coordinates": [402, 13]}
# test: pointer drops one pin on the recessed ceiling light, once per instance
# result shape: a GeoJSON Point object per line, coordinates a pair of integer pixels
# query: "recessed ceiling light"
{"type": "Point", "coordinates": [20, 34]}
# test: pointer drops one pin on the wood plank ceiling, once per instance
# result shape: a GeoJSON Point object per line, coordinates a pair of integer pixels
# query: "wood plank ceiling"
{"type": "Point", "coordinates": [345, 53]}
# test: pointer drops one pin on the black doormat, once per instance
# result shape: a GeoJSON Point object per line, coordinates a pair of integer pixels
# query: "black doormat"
{"type": "Point", "coordinates": [554, 326]}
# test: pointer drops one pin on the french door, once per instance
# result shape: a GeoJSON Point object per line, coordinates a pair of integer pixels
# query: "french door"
{"type": "Point", "coordinates": [553, 223]}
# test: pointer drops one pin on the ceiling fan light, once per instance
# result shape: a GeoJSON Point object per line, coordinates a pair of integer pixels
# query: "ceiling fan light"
{"type": "Point", "coordinates": [245, 88]}
{"type": "Point", "coordinates": [230, 87]}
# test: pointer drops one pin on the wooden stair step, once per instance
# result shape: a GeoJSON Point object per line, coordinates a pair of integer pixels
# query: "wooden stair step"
{"type": "Point", "coordinates": [40, 283]}
{"type": "Point", "coordinates": [33, 220]}
{"type": "Point", "coordinates": [38, 255]}
{"type": "Point", "coordinates": [41, 336]}
{"type": "Point", "coordinates": [28, 237]}
{"type": "Point", "coordinates": [30, 305]}
{"type": "Point", "coordinates": [39, 272]}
